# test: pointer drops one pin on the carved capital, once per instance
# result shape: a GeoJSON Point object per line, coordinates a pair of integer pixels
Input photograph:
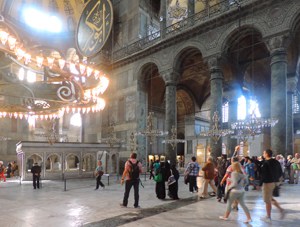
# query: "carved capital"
{"type": "Point", "coordinates": [213, 61]}
{"type": "Point", "coordinates": [214, 65]}
{"type": "Point", "coordinates": [277, 43]}
{"type": "Point", "coordinates": [170, 77]}
{"type": "Point", "coordinates": [291, 84]}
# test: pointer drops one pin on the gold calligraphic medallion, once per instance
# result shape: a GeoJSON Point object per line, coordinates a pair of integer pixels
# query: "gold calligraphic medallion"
{"type": "Point", "coordinates": [94, 27]}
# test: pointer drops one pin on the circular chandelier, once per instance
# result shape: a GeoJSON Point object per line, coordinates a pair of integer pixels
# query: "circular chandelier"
{"type": "Point", "coordinates": [54, 84]}
{"type": "Point", "coordinates": [216, 132]}
{"type": "Point", "coordinates": [149, 131]}
{"type": "Point", "coordinates": [252, 126]}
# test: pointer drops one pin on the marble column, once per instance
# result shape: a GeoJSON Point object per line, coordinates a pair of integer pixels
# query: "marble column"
{"type": "Point", "coordinates": [141, 120]}
{"type": "Point", "coordinates": [163, 18]}
{"type": "Point", "coordinates": [291, 88]}
{"type": "Point", "coordinates": [170, 78]}
{"type": "Point", "coordinates": [216, 94]}
{"type": "Point", "coordinates": [278, 65]}
{"type": "Point", "coordinates": [191, 11]}
{"type": "Point", "coordinates": [191, 7]}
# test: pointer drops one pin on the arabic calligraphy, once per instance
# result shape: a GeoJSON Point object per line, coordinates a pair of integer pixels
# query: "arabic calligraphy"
{"type": "Point", "coordinates": [94, 26]}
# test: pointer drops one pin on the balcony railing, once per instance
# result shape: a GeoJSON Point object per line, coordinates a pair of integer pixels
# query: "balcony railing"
{"type": "Point", "coordinates": [175, 29]}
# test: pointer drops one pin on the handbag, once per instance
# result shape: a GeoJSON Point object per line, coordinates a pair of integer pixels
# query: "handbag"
{"type": "Point", "coordinates": [158, 178]}
{"type": "Point", "coordinates": [171, 179]}
{"type": "Point", "coordinates": [186, 178]}
{"type": "Point", "coordinates": [294, 166]}
{"type": "Point", "coordinates": [276, 191]}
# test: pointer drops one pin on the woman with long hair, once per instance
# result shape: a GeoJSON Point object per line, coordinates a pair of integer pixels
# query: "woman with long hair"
{"type": "Point", "coordinates": [236, 191]}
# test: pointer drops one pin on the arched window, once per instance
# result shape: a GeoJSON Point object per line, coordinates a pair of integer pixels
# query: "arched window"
{"type": "Point", "coordinates": [225, 112]}
{"type": "Point", "coordinates": [241, 110]}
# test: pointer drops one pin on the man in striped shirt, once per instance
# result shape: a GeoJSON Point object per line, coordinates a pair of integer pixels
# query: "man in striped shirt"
{"type": "Point", "coordinates": [192, 170]}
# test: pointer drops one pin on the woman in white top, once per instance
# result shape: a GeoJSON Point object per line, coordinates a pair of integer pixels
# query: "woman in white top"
{"type": "Point", "coordinates": [238, 182]}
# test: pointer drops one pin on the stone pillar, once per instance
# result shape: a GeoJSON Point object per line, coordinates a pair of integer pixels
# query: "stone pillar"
{"type": "Point", "coordinates": [291, 88]}
{"type": "Point", "coordinates": [170, 78]}
{"type": "Point", "coordinates": [278, 65]}
{"type": "Point", "coordinates": [141, 111]}
{"type": "Point", "coordinates": [191, 7]}
{"type": "Point", "coordinates": [163, 18]}
{"type": "Point", "coordinates": [216, 94]}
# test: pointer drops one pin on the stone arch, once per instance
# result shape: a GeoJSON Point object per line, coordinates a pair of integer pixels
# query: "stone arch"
{"type": "Point", "coordinates": [33, 158]}
{"type": "Point", "coordinates": [193, 71]}
{"type": "Point", "coordinates": [141, 67]}
{"type": "Point", "coordinates": [185, 102]}
{"type": "Point", "coordinates": [88, 162]}
{"type": "Point", "coordinates": [184, 50]}
{"type": "Point", "coordinates": [294, 48]}
{"type": "Point", "coordinates": [72, 163]}
{"type": "Point", "coordinates": [230, 37]}
{"type": "Point", "coordinates": [53, 164]}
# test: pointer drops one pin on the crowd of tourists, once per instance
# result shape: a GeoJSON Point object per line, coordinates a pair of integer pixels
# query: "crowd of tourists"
{"type": "Point", "coordinates": [8, 171]}
{"type": "Point", "coordinates": [229, 179]}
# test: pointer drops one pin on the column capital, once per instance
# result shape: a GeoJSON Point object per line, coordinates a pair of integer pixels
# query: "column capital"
{"type": "Point", "coordinates": [277, 44]}
{"type": "Point", "coordinates": [214, 63]}
{"type": "Point", "coordinates": [291, 84]}
{"type": "Point", "coordinates": [170, 77]}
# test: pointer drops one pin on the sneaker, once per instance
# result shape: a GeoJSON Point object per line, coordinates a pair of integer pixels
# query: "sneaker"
{"type": "Point", "coordinates": [137, 207]}
{"type": "Point", "coordinates": [213, 194]}
{"type": "Point", "coordinates": [223, 218]}
{"type": "Point", "coordinates": [122, 206]}
{"type": "Point", "coordinates": [266, 219]}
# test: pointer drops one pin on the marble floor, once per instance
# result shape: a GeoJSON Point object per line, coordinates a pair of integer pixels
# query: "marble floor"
{"type": "Point", "coordinates": [81, 205]}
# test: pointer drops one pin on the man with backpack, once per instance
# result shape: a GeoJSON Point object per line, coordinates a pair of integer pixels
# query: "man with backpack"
{"type": "Point", "coordinates": [131, 176]}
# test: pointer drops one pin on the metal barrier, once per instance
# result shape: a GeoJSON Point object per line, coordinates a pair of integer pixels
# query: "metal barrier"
{"type": "Point", "coordinates": [65, 180]}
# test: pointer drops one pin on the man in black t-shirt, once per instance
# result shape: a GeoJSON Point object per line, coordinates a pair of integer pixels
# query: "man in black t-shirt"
{"type": "Point", "coordinates": [270, 174]}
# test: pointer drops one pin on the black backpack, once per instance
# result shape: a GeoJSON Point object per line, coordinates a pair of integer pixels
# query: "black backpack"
{"type": "Point", "coordinates": [134, 172]}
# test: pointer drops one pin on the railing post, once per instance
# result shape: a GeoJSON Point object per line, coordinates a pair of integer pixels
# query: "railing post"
{"type": "Point", "coordinates": [65, 184]}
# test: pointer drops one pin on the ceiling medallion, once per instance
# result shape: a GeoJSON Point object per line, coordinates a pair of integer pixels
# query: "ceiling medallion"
{"type": "Point", "coordinates": [94, 27]}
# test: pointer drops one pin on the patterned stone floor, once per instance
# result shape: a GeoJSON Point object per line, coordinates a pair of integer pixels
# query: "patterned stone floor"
{"type": "Point", "coordinates": [81, 205]}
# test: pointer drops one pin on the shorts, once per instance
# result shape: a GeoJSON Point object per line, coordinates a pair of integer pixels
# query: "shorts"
{"type": "Point", "coordinates": [267, 189]}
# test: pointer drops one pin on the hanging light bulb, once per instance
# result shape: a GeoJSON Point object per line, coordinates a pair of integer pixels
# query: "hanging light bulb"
{"type": "Point", "coordinates": [82, 68]}
{"type": "Point", "coordinates": [3, 37]}
{"type": "Point", "coordinates": [27, 58]}
{"type": "Point", "coordinates": [39, 61]}
{"type": "Point", "coordinates": [96, 74]}
{"type": "Point", "coordinates": [20, 53]}
{"type": "Point", "coordinates": [61, 63]}
{"type": "Point", "coordinates": [50, 62]}
{"type": "Point", "coordinates": [12, 42]}
{"type": "Point", "coordinates": [89, 71]}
